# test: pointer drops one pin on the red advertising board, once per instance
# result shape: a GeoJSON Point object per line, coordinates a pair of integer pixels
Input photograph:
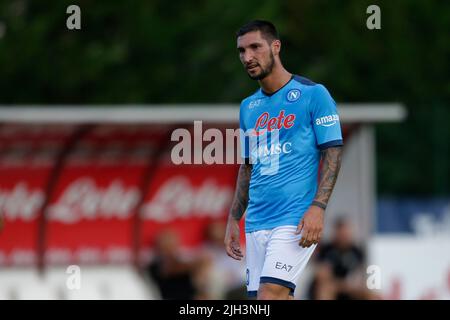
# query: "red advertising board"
{"type": "Point", "coordinates": [93, 194]}
{"type": "Point", "coordinates": [91, 214]}
{"type": "Point", "coordinates": [185, 198]}
{"type": "Point", "coordinates": [27, 157]}
{"type": "Point", "coordinates": [22, 194]}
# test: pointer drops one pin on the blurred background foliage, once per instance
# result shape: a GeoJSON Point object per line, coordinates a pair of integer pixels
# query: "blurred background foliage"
{"type": "Point", "coordinates": [150, 52]}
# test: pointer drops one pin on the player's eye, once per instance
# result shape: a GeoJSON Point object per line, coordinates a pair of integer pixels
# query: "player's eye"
{"type": "Point", "coordinates": [241, 50]}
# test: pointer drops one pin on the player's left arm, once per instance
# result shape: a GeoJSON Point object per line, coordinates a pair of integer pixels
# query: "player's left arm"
{"type": "Point", "coordinates": [312, 222]}
{"type": "Point", "coordinates": [329, 139]}
{"type": "Point", "coordinates": [331, 164]}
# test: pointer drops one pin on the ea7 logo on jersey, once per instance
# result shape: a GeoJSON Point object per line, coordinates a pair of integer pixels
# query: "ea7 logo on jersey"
{"type": "Point", "coordinates": [254, 103]}
{"type": "Point", "coordinates": [327, 121]}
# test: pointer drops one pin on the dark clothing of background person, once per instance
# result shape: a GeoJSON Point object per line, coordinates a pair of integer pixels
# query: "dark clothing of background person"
{"type": "Point", "coordinates": [343, 262]}
{"type": "Point", "coordinates": [172, 285]}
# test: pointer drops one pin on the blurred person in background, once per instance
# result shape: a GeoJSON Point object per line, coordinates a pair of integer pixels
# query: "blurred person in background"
{"type": "Point", "coordinates": [225, 277]}
{"type": "Point", "coordinates": [340, 268]}
{"type": "Point", "coordinates": [175, 277]}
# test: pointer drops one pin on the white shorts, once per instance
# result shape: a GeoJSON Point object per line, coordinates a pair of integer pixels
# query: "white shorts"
{"type": "Point", "coordinates": [274, 256]}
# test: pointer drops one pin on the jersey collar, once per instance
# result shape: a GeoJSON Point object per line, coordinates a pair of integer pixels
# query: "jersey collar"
{"type": "Point", "coordinates": [271, 94]}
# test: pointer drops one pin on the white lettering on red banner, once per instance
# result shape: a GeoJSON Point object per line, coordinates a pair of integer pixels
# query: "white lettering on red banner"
{"type": "Point", "coordinates": [83, 199]}
{"type": "Point", "coordinates": [21, 202]}
{"type": "Point", "coordinates": [178, 198]}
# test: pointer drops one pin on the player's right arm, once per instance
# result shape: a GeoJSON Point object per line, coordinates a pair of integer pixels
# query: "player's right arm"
{"type": "Point", "coordinates": [238, 207]}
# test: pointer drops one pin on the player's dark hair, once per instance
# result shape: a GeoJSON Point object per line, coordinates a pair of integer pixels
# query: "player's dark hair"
{"type": "Point", "coordinates": [267, 29]}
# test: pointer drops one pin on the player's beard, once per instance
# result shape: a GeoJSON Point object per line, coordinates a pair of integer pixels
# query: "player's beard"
{"type": "Point", "coordinates": [264, 71]}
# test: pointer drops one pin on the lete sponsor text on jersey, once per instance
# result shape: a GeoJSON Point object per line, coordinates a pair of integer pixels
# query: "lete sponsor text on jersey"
{"type": "Point", "coordinates": [265, 122]}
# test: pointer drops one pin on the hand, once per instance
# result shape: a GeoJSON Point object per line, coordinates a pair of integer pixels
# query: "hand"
{"type": "Point", "coordinates": [312, 226]}
{"type": "Point", "coordinates": [232, 239]}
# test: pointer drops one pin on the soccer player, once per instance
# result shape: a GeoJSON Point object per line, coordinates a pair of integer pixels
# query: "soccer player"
{"type": "Point", "coordinates": [278, 185]}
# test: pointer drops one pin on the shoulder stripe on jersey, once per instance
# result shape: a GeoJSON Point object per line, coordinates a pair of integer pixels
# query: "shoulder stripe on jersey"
{"type": "Point", "coordinates": [304, 81]}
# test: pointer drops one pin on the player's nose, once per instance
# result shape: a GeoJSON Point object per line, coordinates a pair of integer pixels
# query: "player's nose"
{"type": "Point", "coordinates": [247, 58]}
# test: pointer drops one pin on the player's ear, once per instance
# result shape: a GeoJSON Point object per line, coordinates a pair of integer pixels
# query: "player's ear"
{"type": "Point", "coordinates": [276, 47]}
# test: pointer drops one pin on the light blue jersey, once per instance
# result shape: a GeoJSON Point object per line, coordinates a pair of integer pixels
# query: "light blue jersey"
{"type": "Point", "coordinates": [285, 132]}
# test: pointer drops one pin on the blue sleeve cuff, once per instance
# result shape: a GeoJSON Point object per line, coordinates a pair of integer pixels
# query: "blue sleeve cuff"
{"type": "Point", "coordinates": [329, 144]}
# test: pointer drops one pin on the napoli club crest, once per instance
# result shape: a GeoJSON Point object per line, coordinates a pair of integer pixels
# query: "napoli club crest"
{"type": "Point", "coordinates": [293, 95]}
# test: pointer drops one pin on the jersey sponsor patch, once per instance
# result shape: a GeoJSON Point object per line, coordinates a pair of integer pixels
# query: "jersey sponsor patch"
{"type": "Point", "coordinates": [327, 121]}
{"type": "Point", "coordinates": [264, 122]}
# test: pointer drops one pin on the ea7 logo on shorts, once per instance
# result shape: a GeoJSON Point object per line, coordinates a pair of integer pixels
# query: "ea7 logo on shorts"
{"type": "Point", "coordinates": [327, 121]}
{"type": "Point", "coordinates": [283, 266]}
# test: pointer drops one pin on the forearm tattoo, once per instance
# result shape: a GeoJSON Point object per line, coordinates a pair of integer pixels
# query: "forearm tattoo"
{"type": "Point", "coordinates": [240, 200]}
{"type": "Point", "coordinates": [331, 163]}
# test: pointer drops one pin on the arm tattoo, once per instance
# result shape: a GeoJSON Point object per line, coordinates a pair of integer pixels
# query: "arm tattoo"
{"type": "Point", "coordinates": [331, 163]}
{"type": "Point", "coordinates": [240, 200]}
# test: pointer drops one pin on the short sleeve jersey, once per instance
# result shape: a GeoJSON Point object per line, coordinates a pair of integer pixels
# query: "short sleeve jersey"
{"type": "Point", "coordinates": [282, 135]}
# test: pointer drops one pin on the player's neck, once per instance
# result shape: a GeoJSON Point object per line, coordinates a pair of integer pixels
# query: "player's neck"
{"type": "Point", "coordinates": [275, 80]}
